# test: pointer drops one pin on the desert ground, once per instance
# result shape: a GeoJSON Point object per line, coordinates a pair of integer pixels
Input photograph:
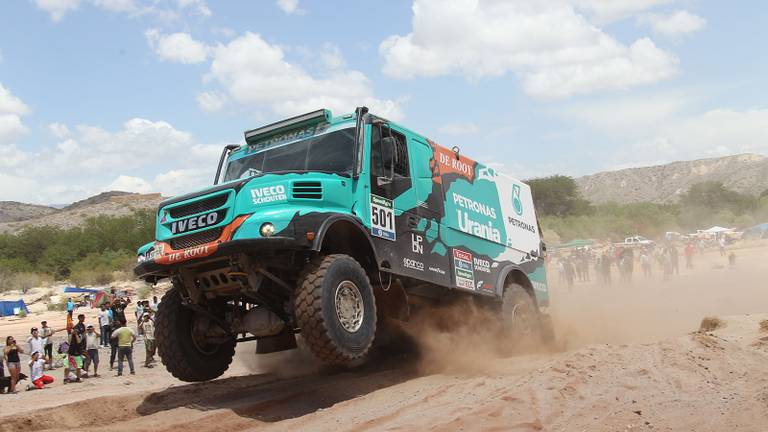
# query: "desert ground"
{"type": "Point", "coordinates": [627, 358]}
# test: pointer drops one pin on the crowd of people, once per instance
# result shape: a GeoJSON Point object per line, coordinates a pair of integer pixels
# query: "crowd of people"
{"type": "Point", "coordinates": [665, 258]}
{"type": "Point", "coordinates": [79, 352]}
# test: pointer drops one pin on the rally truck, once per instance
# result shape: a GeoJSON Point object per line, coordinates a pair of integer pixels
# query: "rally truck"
{"type": "Point", "coordinates": [323, 226]}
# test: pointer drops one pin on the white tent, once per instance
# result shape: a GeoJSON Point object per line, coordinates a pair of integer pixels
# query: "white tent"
{"type": "Point", "coordinates": [716, 230]}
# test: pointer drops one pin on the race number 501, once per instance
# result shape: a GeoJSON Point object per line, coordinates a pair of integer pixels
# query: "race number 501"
{"type": "Point", "coordinates": [382, 218]}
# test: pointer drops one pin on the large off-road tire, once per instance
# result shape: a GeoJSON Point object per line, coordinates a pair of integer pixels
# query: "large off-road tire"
{"type": "Point", "coordinates": [185, 358]}
{"type": "Point", "coordinates": [521, 320]}
{"type": "Point", "coordinates": [336, 310]}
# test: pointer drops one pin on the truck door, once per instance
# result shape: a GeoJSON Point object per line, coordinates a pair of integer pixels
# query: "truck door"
{"type": "Point", "coordinates": [399, 223]}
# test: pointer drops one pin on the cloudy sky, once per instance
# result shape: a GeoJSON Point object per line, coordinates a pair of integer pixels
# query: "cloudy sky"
{"type": "Point", "coordinates": [140, 95]}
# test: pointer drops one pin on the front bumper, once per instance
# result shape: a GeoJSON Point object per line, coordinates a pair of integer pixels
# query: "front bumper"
{"type": "Point", "coordinates": [163, 266]}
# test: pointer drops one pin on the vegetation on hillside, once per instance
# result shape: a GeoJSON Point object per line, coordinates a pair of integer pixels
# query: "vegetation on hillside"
{"type": "Point", "coordinates": [562, 210]}
{"type": "Point", "coordinates": [85, 255]}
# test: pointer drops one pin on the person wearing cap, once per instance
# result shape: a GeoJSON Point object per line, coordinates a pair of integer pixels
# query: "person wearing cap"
{"type": "Point", "coordinates": [147, 328]}
{"type": "Point", "coordinates": [36, 343]}
{"type": "Point", "coordinates": [91, 351]}
{"type": "Point", "coordinates": [37, 375]}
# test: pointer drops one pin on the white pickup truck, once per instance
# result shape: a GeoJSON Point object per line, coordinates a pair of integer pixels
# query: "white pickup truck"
{"type": "Point", "coordinates": [636, 241]}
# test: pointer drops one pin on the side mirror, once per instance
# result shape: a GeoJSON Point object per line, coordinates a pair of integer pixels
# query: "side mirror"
{"type": "Point", "coordinates": [389, 157]}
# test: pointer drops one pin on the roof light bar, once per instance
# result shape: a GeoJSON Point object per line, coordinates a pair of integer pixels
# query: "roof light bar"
{"type": "Point", "coordinates": [312, 117]}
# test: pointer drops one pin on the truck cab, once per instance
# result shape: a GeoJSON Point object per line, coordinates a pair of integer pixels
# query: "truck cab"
{"type": "Point", "coordinates": [323, 226]}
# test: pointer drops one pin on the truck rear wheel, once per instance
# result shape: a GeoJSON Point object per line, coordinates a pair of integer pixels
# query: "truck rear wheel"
{"type": "Point", "coordinates": [335, 309]}
{"type": "Point", "coordinates": [521, 319]}
{"type": "Point", "coordinates": [186, 356]}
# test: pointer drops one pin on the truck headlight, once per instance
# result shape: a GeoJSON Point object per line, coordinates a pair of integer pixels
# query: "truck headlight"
{"type": "Point", "coordinates": [141, 258]}
{"type": "Point", "coordinates": [267, 229]}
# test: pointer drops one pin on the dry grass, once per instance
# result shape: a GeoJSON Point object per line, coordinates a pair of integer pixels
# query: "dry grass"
{"type": "Point", "coordinates": [709, 324]}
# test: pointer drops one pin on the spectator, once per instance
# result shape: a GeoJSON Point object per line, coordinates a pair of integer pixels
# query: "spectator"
{"type": "Point", "coordinates": [36, 368]}
{"type": "Point", "coordinates": [125, 338]}
{"type": "Point", "coordinates": [139, 310]}
{"type": "Point", "coordinates": [74, 357]}
{"type": "Point", "coordinates": [80, 329]}
{"type": "Point", "coordinates": [147, 328]}
{"type": "Point", "coordinates": [645, 263]}
{"type": "Point", "coordinates": [113, 348]}
{"type": "Point", "coordinates": [47, 335]}
{"type": "Point", "coordinates": [721, 243]}
{"type": "Point", "coordinates": [92, 351]}
{"type": "Point", "coordinates": [688, 252]}
{"type": "Point", "coordinates": [104, 321]}
{"type": "Point", "coordinates": [155, 303]}
{"type": "Point", "coordinates": [70, 306]}
{"type": "Point", "coordinates": [36, 343]}
{"type": "Point", "coordinates": [11, 354]}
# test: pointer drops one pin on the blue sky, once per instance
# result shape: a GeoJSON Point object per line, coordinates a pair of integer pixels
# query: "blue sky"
{"type": "Point", "coordinates": [140, 95]}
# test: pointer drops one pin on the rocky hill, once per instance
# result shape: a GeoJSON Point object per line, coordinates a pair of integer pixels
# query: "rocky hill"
{"type": "Point", "coordinates": [108, 203]}
{"type": "Point", "coordinates": [746, 173]}
{"type": "Point", "coordinates": [11, 211]}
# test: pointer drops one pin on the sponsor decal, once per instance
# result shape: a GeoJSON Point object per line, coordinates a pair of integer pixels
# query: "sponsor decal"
{"type": "Point", "coordinates": [517, 203]}
{"type": "Point", "coordinates": [197, 222]}
{"type": "Point", "coordinates": [473, 205]}
{"type": "Point", "coordinates": [292, 135]}
{"type": "Point", "coordinates": [471, 226]}
{"type": "Point", "coordinates": [448, 163]}
{"type": "Point", "coordinates": [413, 264]}
{"type": "Point", "coordinates": [539, 286]}
{"type": "Point", "coordinates": [417, 243]}
{"type": "Point", "coordinates": [164, 218]}
{"type": "Point", "coordinates": [382, 218]}
{"type": "Point", "coordinates": [437, 270]}
{"type": "Point", "coordinates": [517, 223]}
{"type": "Point", "coordinates": [482, 265]}
{"type": "Point", "coordinates": [183, 255]}
{"type": "Point", "coordinates": [463, 269]}
{"type": "Point", "coordinates": [268, 194]}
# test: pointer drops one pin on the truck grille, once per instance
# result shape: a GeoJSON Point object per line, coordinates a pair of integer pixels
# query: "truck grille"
{"type": "Point", "coordinates": [308, 190]}
{"type": "Point", "coordinates": [198, 206]}
{"type": "Point", "coordinates": [196, 239]}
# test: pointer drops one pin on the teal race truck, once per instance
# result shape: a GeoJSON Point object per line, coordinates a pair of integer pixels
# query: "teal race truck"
{"type": "Point", "coordinates": [324, 226]}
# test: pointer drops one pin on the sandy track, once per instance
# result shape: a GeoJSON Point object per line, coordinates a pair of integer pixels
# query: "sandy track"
{"type": "Point", "coordinates": [628, 361]}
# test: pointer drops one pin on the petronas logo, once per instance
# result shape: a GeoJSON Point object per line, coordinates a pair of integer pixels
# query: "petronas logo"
{"type": "Point", "coordinates": [516, 202]}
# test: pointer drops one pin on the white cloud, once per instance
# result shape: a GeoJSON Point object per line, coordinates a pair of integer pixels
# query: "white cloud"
{"type": "Point", "coordinates": [605, 11]}
{"type": "Point", "coordinates": [130, 184]}
{"type": "Point", "coordinates": [117, 5]}
{"type": "Point", "coordinates": [11, 110]}
{"type": "Point", "coordinates": [211, 101]}
{"type": "Point", "coordinates": [179, 181]}
{"type": "Point", "coordinates": [10, 104]}
{"type": "Point", "coordinates": [459, 129]}
{"type": "Point", "coordinates": [59, 130]}
{"type": "Point", "coordinates": [715, 132]}
{"type": "Point", "coordinates": [254, 72]}
{"type": "Point", "coordinates": [57, 8]}
{"type": "Point", "coordinates": [177, 47]}
{"type": "Point", "coordinates": [554, 50]}
{"type": "Point", "coordinates": [674, 24]}
{"type": "Point", "coordinates": [200, 6]}
{"type": "Point", "coordinates": [92, 158]}
{"type": "Point", "coordinates": [621, 117]}
{"type": "Point", "coordinates": [290, 6]}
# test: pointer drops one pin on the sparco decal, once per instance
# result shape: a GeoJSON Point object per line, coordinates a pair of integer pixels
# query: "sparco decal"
{"type": "Point", "coordinates": [413, 264]}
{"type": "Point", "coordinates": [268, 194]}
{"type": "Point", "coordinates": [464, 270]}
{"type": "Point", "coordinates": [197, 222]}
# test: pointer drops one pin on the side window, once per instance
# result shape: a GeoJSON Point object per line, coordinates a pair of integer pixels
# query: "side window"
{"type": "Point", "coordinates": [380, 167]}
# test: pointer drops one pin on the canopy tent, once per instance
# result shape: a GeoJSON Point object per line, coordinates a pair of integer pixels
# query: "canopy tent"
{"type": "Point", "coordinates": [757, 231]}
{"type": "Point", "coordinates": [76, 290]}
{"type": "Point", "coordinates": [10, 308]}
{"type": "Point", "coordinates": [716, 230]}
{"type": "Point", "coordinates": [576, 243]}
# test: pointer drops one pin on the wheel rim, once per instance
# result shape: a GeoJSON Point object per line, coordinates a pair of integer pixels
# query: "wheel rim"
{"type": "Point", "coordinates": [198, 340]}
{"type": "Point", "coordinates": [520, 319]}
{"type": "Point", "coordinates": [349, 306]}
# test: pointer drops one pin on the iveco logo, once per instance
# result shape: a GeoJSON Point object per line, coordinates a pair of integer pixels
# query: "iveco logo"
{"type": "Point", "coordinates": [197, 222]}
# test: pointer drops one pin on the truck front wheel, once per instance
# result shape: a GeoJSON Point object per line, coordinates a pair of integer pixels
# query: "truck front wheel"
{"type": "Point", "coordinates": [335, 309]}
{"type": "Point", "coordinates": [182, 346]}
{"type": "Point", "coordinates": [521, 320]}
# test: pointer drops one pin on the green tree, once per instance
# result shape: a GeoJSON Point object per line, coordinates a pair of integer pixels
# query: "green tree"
{"type": "Point", "coordinates": [557, 195]}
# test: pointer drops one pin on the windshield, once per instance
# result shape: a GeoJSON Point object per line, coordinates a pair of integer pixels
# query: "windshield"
{"type": "Point", "coordinates": [331, 152]}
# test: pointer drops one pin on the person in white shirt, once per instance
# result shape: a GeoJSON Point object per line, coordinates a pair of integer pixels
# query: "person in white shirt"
{"type": "Point", "coordinates": [36, 343]}
{"type": "Point", "coordinates": [37, 375]}
{"type": "Point", "coordinates": [92, 339]}
{"type": "Point", "coordinates": [104, 322]}
{"type": "Point", "coordinates": [147, 328]}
